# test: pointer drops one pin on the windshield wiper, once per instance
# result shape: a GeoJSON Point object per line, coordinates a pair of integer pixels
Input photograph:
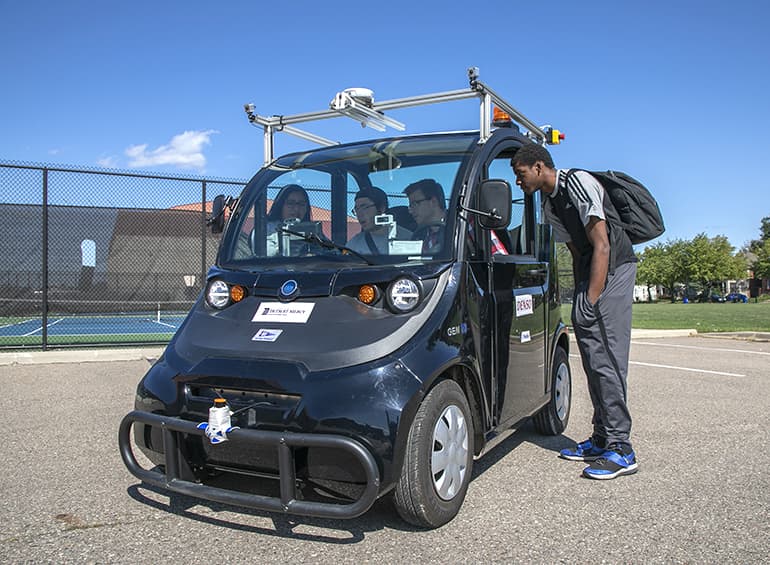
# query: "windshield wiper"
{"type": "Point", "coordinates": [325, 243]}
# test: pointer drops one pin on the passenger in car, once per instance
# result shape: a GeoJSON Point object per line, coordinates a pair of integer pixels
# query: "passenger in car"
{"type": "Point", "coordinates": [427, 205]}
{"type": "Point", "coordinates": [373, 238]}
{"type": "Point", "coordinates": [292, 203]}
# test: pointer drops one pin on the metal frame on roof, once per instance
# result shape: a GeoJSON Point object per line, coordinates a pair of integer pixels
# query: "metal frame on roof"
{"type": "Point", "coordinates": [351, 104]}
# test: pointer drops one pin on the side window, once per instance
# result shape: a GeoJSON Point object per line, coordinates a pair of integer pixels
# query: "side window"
{"type": "Point", "coordinates": [519, 234]}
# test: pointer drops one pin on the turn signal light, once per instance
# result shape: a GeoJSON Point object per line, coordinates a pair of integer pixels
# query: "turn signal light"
{"type": "Point", "coordinates": [237, 293]}
{"type": "Point", "coordinates": [367, 294]}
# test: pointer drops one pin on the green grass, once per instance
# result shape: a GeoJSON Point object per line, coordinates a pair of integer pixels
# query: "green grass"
{"type": "Point", "coordinates": [706, 318]}
{"type": "Point", "coordinates": [117, 339]}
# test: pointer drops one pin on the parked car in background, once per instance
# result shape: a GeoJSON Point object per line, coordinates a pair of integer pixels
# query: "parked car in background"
{"type": "Point", "coordinates": [736, 297]}
{"type": "Point", "coordinates": [710, 297]}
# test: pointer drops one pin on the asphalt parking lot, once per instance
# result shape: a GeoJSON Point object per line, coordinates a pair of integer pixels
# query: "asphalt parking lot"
{"type": "Point", "coordinates": [702, 494]}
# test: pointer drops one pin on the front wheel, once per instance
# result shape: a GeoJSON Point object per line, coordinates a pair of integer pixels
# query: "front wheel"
{"type": "Point", "coordinates": [438, 460]}
{"type": "Point", "coordinates": [553, 417]}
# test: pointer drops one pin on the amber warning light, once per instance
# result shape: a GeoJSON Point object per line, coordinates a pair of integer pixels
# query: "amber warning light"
{"type": "Point", "coordinates": [501, 119]}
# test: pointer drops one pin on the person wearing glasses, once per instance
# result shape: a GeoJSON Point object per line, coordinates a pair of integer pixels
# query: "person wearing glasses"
{"type": "Point", "coordinates": [373, 238]}
{"type": "Point", "coordinates": [292, 203]}
{"type": "Point", "coordinates": [427, 205]}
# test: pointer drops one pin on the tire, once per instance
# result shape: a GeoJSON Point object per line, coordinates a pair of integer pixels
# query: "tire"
{"type": "Point", "coordinates": [439, 459]}
{"type": "Point", "coordinates": [554, 416]}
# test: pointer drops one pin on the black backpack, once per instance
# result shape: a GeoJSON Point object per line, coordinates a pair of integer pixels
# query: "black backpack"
{"type": "Point", "coordinates": [639, 212]}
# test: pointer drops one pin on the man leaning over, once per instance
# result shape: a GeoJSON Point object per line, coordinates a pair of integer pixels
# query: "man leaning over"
{"type": "Point", "coordinates": [604, 265]}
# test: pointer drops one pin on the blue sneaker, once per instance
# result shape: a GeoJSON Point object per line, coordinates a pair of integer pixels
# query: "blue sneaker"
{"type": "Point", "coordinates": [613, 463]}
{"type": "Point", "coordinates": [586, 451]}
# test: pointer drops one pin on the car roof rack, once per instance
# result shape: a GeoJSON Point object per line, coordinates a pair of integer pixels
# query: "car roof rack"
{"type": "Point", "coordinates": [358, 104]}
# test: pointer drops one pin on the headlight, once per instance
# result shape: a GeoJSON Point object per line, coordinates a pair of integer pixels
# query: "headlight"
{"type": "Point", "coordinates": [219, 294]}
{"type": "Point", "coordinates": [403, 295]}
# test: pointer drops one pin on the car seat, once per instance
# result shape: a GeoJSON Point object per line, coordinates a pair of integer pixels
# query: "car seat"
{"type": "Point", "coordinates": [402, 217]}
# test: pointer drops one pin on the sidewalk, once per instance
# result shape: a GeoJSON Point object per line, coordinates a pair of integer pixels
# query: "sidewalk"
{"type": "Point", "coordinates": [79, 355]}
{"type": "Point", "coordinates": [35, 357]}
{"type": "Point", "coordinates": [148, 353]}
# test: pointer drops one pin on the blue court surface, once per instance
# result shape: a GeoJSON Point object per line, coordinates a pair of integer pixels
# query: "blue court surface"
{"type": "Point", "coordinates": [95, 325]}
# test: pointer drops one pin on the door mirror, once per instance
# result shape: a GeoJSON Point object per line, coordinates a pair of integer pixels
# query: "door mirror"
{"type": "Point", "coordinates": [494, 204]}
{"type": "Point", "coordinates": [217, 219]}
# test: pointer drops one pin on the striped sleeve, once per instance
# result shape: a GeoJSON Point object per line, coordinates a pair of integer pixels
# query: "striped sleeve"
{"type": "Point", "coordinates": [587, 194]}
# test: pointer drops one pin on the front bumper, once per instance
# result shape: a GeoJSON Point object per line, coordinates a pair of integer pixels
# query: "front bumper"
{"type": "Point", "coordinates": [180, 478]}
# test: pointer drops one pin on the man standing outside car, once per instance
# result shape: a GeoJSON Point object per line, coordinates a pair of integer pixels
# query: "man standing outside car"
{"type": "Point", "coordinates": [604, 265]}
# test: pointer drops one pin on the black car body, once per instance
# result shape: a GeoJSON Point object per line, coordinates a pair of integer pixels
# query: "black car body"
{"type": "Point", "coordinates": [350, 376]}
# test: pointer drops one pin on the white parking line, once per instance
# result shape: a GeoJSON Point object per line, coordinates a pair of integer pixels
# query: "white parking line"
{"type": "Point", "coordinates": [686, 369]}
{"type": "Point", "coordinates": [689, 369]}
{"type": "Point", "coordinates": [699, 347]}
{"type": "Point", "coordinates": [41, 328]}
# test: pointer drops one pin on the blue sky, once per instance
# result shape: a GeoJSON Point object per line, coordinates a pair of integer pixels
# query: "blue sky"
{"type": "Point", "coordinates": [672, 92]}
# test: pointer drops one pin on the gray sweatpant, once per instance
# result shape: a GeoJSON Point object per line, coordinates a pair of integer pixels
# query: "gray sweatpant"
{"type": "Point", "coordinates": [603, 333]}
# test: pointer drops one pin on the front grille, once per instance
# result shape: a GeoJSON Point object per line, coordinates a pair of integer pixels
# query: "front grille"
{"type": "Point", "coordinates": [251, 408]}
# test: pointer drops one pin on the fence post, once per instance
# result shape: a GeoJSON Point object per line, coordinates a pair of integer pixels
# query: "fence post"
{"type": "Point", "coordinates": [203, 232]}
{"type": "Point", "coordinates": [45, 261]}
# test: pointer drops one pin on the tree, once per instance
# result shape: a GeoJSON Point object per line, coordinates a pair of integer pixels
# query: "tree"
{"type": "Point", "coordinates": [758, 252]}
{"type": "Point", "coordinates": [762, 264]}
{"type": "Point", "coordinates": [713, 260]}
{"type": "Point", "coordinates": [665, 264]}
{"type": "Point", "coordinates": [703, 260]}
{"type": "Point", "coordinates": [764, 235]}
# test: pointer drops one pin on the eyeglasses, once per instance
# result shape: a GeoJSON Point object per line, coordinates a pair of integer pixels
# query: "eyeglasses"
{"type": "Point", "coordinates": [358, 209]}
{"type": "Point", "coordinates": [414, 203]}
{"type": "Point", "coordinates": [295, 203]}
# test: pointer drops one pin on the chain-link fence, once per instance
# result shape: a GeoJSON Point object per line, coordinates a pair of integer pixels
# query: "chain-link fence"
{"type": "Point", "coordinates": [92, 257]}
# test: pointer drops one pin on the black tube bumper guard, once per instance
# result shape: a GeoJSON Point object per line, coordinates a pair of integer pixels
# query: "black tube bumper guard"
{"type": "Point", "coordinates": [287, 503]}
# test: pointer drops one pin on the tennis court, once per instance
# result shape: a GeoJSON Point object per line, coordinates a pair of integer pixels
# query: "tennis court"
{"type": "Point", "coordinates": [149, 327]}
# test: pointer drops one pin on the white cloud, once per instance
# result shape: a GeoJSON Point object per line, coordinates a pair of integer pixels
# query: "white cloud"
{"type": "Point", "coordinates": [184, 151]}
{"type": "Point", "coordinates": [109, 162]}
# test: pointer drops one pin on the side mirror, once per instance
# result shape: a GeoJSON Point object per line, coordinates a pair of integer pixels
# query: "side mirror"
{"type": "Point", "coordinates": [495, 199]}
{"type": "Point", "coordinates": [217, 219]}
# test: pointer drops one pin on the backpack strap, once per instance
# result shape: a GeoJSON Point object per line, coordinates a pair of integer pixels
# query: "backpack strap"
{"type": "Point", "coordinates": [605, 201]}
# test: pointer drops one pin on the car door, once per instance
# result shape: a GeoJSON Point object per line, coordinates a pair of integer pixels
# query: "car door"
{"type": "Point", "coordinates": [517, 282]}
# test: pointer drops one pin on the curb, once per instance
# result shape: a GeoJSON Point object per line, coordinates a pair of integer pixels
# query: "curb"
{"type": "Point", "coordinates": [650, 334]}
{"type": "Point", "coordinates": [151, 353]}
{"type": "Point", "coordinates": [79, 356]}
{"type": "Point", "coordinates": [744, 336]}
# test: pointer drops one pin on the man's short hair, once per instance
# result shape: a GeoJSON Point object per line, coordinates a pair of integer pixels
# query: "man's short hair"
{"type": "Point", "coordinates": [430, 188]}
{"type": "Point", "coordinates": [376, 195]}
{"type": "Point", "coordinates": [530, 153]}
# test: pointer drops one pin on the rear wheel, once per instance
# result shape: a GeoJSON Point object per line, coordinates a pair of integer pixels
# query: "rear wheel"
{"type": "Point", "coordinates": [552, 419]}
{"type": "Point", "coordinates": [438, 460]}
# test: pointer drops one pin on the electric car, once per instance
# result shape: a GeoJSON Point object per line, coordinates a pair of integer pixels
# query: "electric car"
{"type": "Point", "coordinates": [310, 378]}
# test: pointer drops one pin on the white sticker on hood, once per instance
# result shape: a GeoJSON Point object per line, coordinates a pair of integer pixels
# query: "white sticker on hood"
{"type": "Point", "coordinates": [525, 337]}
{"type": "Point", "coordinates": [524, 305]}
{"type": "Point", "coordinates": [293, 312]}
{"type": "Point", "coordinates": [266, 335]}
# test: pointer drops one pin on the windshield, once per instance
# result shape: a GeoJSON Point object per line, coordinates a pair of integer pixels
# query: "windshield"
{"type": "Point", "coordinates": [373, 202]}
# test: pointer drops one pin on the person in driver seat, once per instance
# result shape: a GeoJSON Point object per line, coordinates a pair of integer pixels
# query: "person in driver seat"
{"type": "Point", "coordinates": [291, 203]}
{"type": "Point", "coordinates": [427, 205]}
{"type": "Point", "coordinates": [373, 238]}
